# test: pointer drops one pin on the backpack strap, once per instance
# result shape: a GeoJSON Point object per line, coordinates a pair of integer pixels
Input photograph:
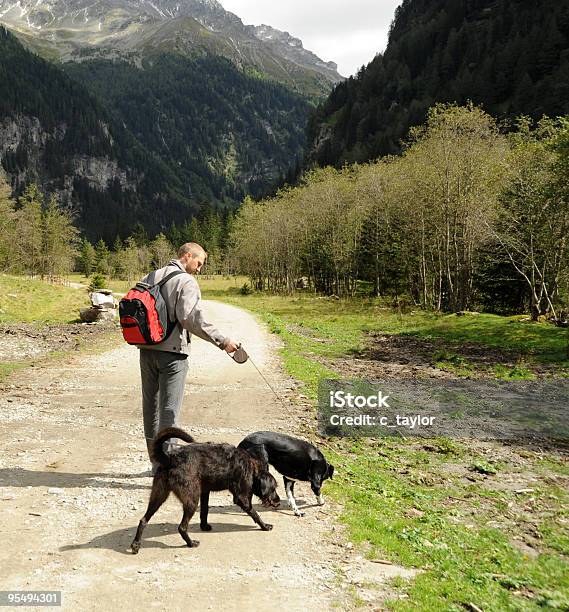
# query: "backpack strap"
{"type": "Point", "coordinates": [168, 277]}
{"type": "Point", "coordinates": [171, 324]}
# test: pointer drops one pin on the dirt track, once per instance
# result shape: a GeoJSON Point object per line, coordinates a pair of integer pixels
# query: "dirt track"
{"type": "Point", "coordinates": [73, 488]}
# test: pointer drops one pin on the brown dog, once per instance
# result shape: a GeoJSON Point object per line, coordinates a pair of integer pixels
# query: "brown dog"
{"type": "Point", "coordinates": [195, 470]}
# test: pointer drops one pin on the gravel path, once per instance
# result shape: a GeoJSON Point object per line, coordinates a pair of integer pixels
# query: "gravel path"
{"type": "Point", "coordinates": [73, 488]}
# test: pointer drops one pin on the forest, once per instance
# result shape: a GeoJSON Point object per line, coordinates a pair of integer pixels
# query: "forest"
{"type": "Point", "coordinates": [223, 134]}
{"type": "Point", "coordinates": [467, 217]}
{"type": "Point", "coordinates": [509, 56]}
{"type": "Point", "coordinates": [39, 238]}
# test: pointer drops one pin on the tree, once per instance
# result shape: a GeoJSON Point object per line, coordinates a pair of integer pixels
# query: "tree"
{"type": "Point", "coordinates": [59, 241]}
{"type": "Point", "coordinates": [102, 257]}
{"type": "Point", "coordinates": [452, 168]}
{"type": "Point", "coordinates": [211, 230]}
{"type": "Point", "coordinates": [28, 228]}
{"type": "Point", "coordinates": [161, 250]}
{"type": "Point", "coordinates": [534, 215]}
{"type": "Point", "coordinates": [87, 257]}
{"type": "Point", "coordinates": [7, 222]}
{"type": "Point", "coordinates": [116, 260]}
{"type": "Point", "coordinates": [139, 234]}
{"type": "Point", "coordinates": [560, 193]}
{"type": "Point", "coordinates": [131, 260]}
{"type": "Point", "coordinates": [382, 260]}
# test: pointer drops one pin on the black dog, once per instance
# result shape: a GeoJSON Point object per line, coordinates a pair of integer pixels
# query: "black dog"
{"type": "Point", "coordinates": [195, 470]}
{"type": "Point", "coordinates": [293, 458]}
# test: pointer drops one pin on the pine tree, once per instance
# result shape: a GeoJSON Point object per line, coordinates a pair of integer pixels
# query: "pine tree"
{"type": "Point", "coordinates": [102, 257]}
{"type": "Point", "coordinates": [211, 230]}
{"type": "Point", "coordinates": [116, 260]}
{"type": "Point", "coordinates": [139, 234]}
{"type": "Point", "coordinates": [87, 258]}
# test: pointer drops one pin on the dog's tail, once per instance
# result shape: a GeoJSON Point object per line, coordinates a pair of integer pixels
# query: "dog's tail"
{"type": "Point", "coordinates": [158, 453]}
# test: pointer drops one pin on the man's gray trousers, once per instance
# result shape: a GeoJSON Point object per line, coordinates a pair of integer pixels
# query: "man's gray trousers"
{"type": "Point", "coordinates": [163, 375]}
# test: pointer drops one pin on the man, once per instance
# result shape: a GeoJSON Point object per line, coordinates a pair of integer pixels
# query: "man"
{"type": "Point", "coordinates": [163, 367]}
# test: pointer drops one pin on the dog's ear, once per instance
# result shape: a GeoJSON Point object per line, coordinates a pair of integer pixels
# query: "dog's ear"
{"type": "Point", "coordinates": [317, 470]}
{"type": "Point", "coordinates": [267, 482]}
{"type": "Point", "coordinates": [259, 466]}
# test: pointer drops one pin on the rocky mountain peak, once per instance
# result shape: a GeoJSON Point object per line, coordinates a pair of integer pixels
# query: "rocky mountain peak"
{"type": "Point", "coordinates": [291, 47]}
{"type": "Point", "coordinates": [79, 29]}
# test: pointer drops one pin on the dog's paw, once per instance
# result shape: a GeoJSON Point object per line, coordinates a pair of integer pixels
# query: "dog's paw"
{"type": "Point", "coordinates": [193, 543]}
{"type": "Point", "coordinates": [267, 527]}
{"type": "Point", "coordinates": [135, 548]}
{"type": "Point", "coordinates": [299, 513]}
{"type": "Point", "coordinates": [205, 527]}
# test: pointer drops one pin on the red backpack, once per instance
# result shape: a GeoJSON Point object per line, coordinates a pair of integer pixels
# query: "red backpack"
{"type": "Point", "coordinates": [143, 314]}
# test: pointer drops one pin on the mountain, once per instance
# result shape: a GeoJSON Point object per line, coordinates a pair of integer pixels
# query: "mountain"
{"type": "Point", "coordinates": [510, 56]}
{"type": "Point", "coordinates": [122, 144]}
{"type": "Point", "coordinates": [79, 29]}
{"type": "Point", "coordinates": [150, 110]}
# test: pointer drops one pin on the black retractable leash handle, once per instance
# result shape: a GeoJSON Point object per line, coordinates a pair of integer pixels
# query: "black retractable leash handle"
{"type": "Point", "coordinates": [240, 355]}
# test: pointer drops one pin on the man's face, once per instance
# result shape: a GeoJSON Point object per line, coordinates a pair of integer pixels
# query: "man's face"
{"type": "Point", "coordinates": [194, 263]}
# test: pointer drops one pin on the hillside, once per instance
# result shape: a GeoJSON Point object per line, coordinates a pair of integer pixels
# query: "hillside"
{"type": "Point", "coordinates": [223, 133]}
{"type": "Point", "coordinates": [55, 133]}
{"type": "Point", "coordinates": [510, 56]}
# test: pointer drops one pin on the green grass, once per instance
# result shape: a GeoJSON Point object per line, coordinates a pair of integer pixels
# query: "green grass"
{"type": "Point", "coordinates": [26, 300]}
{"type": "Point", "coordinates": [115, 285]}
{"type": "Point", "coordinates": [212, 286]}
{"type": "Point", "coordinates": [451, 362]}
{"type": "Point", "coordinates": [434, 520]}
{"type": "Point", "coordinates": [543, 342]}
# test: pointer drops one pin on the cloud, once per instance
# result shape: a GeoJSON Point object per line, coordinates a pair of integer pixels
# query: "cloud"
{"type": "Point", "coordinates": [348, 32]}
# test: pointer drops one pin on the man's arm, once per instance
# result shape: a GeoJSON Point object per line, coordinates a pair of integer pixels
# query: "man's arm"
{"type": "Point", "coordinates": [190, 315]}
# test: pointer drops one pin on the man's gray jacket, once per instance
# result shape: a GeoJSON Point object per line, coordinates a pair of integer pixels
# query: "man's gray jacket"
{"type": "Point", "coordinates": [182, 296]}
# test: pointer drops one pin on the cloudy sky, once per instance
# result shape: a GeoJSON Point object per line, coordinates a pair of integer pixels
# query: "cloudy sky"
{"type": "Point", "coordinates": [348, 32]}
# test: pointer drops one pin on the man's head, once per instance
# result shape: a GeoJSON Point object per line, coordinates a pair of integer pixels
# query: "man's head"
{"type": "Point", "coordinates": [192, 256]}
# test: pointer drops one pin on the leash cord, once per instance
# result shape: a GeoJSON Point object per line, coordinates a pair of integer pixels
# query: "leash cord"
{"type": "Point", "coordinates": [265, 379]}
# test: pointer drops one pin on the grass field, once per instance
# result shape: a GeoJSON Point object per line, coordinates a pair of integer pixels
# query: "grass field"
{"type": "Point", "coordinates": [115, 285]}
{"type": "Point", "coordinates": [26, 300]}
{"type": "Point", "coordinates": [486, 525]}
{"type": "Point", "coordinates": [464, 515]}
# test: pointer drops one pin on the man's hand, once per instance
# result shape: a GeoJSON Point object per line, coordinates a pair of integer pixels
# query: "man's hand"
{"type": "Point", "coordinates": [231, 345]}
